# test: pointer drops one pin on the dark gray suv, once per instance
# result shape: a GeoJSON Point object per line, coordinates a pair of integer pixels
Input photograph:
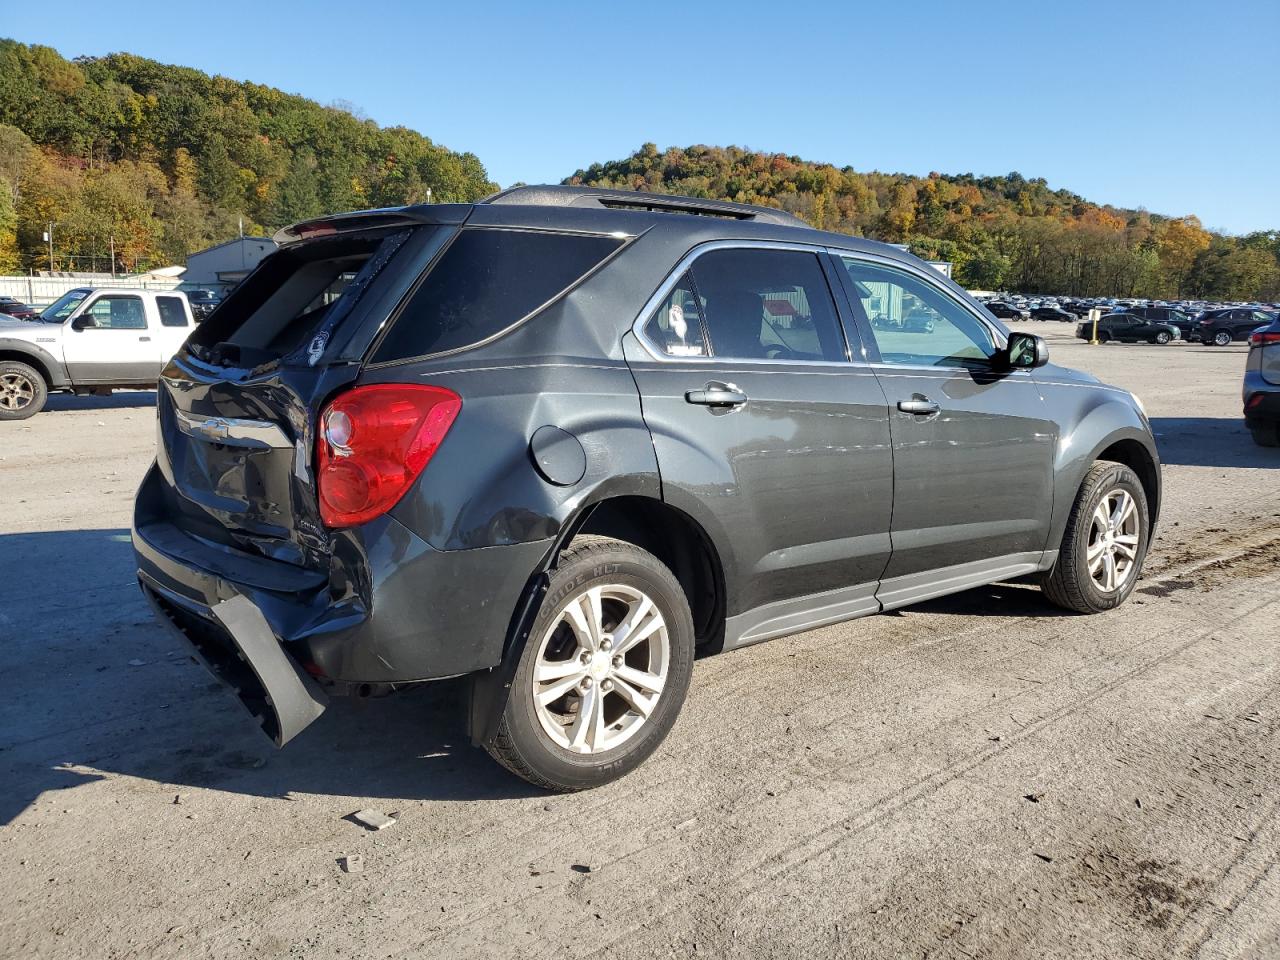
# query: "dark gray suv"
{"type": "Point", "coordinates": [561, 440]}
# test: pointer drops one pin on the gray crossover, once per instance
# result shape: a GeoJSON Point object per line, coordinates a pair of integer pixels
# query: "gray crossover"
{"type": "Point", "coordinates": [562, 440]}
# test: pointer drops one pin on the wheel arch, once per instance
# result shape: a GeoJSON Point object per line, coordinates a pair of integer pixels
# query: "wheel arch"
{"type": "Point", "coordinates": [650, 523]}
{"type": "Point", "coordinates": [33, 359]}
{"type": "Point", "coordinates": [672, 536]}
{"type": "Point", "coordinates": [1115, 431]}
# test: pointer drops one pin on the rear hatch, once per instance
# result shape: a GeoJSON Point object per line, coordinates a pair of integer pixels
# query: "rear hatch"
{"type": "Point", "coordinates": [237, 406]}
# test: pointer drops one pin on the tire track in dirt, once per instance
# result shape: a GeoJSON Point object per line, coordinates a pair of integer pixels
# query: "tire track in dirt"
{"type": "Point", "coordinates": [806, 847]}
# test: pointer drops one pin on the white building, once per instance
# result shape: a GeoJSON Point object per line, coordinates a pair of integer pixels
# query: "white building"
{"type": "Point", "coordinates": [220, 268]}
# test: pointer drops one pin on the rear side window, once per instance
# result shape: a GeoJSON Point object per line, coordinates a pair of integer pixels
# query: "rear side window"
{"type": "Point", "coordinates": [676, 325]}
{"type": "Point", "coordinates": [172, 313]}
{"type": "Point", "coordinates": [486, 282]}
{"type": "Point", "coordinates": [767, 305]}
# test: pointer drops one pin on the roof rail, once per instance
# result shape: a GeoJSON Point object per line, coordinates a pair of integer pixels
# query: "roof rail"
{"type": "Point", "coordinates": [561, 196]}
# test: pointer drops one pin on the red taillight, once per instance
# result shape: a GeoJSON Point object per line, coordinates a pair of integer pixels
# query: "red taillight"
{"type": "Point", "coordinates": [1263, 337]}
{"type": "Point", "coordinates": [373, 442]}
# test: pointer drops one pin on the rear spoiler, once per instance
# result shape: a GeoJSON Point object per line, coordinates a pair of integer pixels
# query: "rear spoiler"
{"type": "Point", "coordinates": [389, 218]}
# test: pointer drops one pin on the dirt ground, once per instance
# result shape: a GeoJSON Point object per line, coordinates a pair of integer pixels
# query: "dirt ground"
{"type": "Point", "coordinates": [979, 776]}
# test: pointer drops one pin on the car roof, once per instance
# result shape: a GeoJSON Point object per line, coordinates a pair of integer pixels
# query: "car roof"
{"type": "Point", "coordinates": [598, 210]}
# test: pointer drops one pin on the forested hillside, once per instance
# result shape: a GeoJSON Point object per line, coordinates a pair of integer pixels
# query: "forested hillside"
{"type": "Point", "coordinates": [168, 160]}
{"type": "Point", "coordinates": [1001, 232]}
{"type": "Point", "coordinates": [162, 160]}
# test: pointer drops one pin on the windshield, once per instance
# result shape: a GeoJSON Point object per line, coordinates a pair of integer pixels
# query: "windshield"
{"type": "Point", "coordinates": [61, 308]}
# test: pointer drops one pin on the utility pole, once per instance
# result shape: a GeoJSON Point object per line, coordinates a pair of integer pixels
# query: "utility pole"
{"type": "Point", "coordinates": [48, 235]}
{"type": "Point", "coordinates": [428, 194]}
{"type": "Point", "coordinates": [113, 256]}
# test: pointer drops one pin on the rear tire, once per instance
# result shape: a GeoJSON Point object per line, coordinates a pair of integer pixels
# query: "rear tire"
{"type": "Point", "coordinates": [22, 391]}
{"type": "Point", "coordinates": [1079, 578]}
{"type": "Point", "coordinates": [1221, 338]}
{"type": "Point", "coordinates": [1265, 433]}
{"type": "Point", "coordinates": [582, 709]}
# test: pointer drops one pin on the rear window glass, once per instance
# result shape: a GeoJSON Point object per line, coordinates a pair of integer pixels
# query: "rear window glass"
{"type": "Point", "coordinates": [485, 282]}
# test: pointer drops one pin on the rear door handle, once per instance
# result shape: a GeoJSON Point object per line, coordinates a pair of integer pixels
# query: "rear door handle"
{"type": "Point", "coordinates": [144, 339]}
{"type": "Point", "coordinates": [717, 395]}
{"type": "Point", "coordinates": [921, 406]}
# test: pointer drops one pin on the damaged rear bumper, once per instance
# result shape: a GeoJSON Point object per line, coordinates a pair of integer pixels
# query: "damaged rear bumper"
{"type": "Point", "coordinates": [234, 642]}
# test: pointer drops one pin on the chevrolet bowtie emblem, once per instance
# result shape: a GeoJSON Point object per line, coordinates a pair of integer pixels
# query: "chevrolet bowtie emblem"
{"type": "Point", "coordinates": [215, 428]}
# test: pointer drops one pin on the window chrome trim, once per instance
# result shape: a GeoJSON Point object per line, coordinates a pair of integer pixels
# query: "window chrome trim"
{"type": "Point", "coordinates": [682, 266]}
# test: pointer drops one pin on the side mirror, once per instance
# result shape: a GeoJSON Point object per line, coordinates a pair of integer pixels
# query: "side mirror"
{"type": "Point", "coordinates": [1026, 351]}
{"type": "Point", "coordinates": [83, 322]}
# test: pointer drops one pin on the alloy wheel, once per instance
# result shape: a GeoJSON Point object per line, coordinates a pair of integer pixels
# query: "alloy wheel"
{"type": "Point", "coordinates": [16, 391]}
{"type": "Point", "coordinates": [600, 669]}
{"type": "Point", "coordinates": [1112, 553]}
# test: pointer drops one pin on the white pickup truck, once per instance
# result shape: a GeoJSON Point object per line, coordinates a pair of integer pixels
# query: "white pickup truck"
{"type": "Point", "coordinates": [89, 341]}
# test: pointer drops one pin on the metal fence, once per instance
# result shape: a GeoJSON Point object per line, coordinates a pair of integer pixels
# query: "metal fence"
{"type": "Point", "coordinates": [39, 291]}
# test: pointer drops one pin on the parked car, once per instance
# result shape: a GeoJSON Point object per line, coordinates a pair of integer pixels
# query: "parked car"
{"type": "Point", "coordinates": [1128, 328]}
{"type": "Point", "coordinates": [1262, 385]}
{"type": "Point", "coordinates": [1170, 315]}
{"type": "Point", "coordinates": [16, 309]}
{"type": "Point", "coordinates": [1221, 327]}
{"type": "Point", "coordinates": [202, 302]}
{"type": "Point", "coordinates": [1053, 313]}
{"type": "Point", "coordinates": [558, 440]}
{"type": "Point", "coordinates": [1006, 311]}
{"type": "Point", "coordinates": [89, 340]}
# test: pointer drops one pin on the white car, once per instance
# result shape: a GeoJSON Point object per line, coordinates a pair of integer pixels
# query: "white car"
{"type": "Point", "coordinates": [89, 341]}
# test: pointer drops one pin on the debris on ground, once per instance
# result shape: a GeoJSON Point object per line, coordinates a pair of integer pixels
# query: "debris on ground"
{"type": "Point", "coordinates": [373, 819]}
{"type": "Point", "coordinates": [1033, 797]}
{"type": "Point", "coordinates": [352, 863]}
{"type": "Point", "coordinates": [137, 663]}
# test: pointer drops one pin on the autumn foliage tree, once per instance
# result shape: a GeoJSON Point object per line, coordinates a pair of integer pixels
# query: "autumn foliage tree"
{"type": "Point", "coordinates": [164, 160]}
{"type": "Point", "coordinates": [1005, 232]}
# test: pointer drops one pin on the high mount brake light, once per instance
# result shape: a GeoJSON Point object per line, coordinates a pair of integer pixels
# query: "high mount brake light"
{"type": "Point", "coordinates": [373, 442]}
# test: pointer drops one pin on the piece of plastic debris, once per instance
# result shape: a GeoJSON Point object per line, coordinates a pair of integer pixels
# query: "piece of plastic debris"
{"type": "Point", "coordinates": [353, 863]}
{"type": "Point", "coordinates": [373, 819]}
{"type": "Point", "coordinates": [137, 663]}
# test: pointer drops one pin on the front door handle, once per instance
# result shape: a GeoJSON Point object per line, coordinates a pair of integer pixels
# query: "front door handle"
{"type": "Point", "coordinates": [717, 395]}
{"type": "Point", "coordinates": [921, 406]}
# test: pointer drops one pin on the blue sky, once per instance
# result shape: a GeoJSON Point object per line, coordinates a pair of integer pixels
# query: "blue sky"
{"type": "Point", "coordinates": [1168, 105]}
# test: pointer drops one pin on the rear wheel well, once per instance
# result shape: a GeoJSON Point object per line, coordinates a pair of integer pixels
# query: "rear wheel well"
{"type": "Point", "coordinates": [1135, 456]}
{"type": "Point", "coordinates": [678, 541]}
{"type": "Point", "coordinates": [33, 362]}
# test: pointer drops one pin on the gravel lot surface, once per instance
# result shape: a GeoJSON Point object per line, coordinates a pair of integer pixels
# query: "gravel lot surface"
{"type": "Point", "coordinates": [979, 776]}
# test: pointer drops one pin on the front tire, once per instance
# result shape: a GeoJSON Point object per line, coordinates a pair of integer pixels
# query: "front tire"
{"type": "Point", "coordinates": [1163, 337]}
{"type": "Point", "coordinates": [22, 391]}
{"type": "Point", "coordinates": [604, 672]}
{"type": "Point", "coordinates": [1105, 542]}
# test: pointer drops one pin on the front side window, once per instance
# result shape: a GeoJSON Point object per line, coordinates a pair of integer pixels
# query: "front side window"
{"type": "Point", "coordinates": [487, 281]}
{"type": "Point", "coordinates": [913, 322]}
{"type": "Point", "coordinates": [675, 327]}
{"type": "Point", "coordinates": [767, 305]}
{"type": "Point", "coordinates": [172, 313]}
{"type": "Point", "coordinates": [116, 313]}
